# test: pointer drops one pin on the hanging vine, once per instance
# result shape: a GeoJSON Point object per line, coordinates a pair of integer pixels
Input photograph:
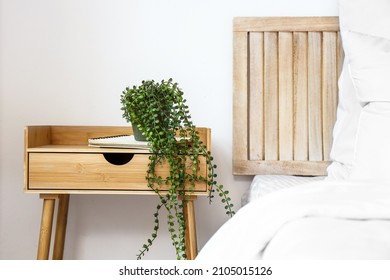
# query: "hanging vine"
{"type": "Point", "coordinates": [160, 112]}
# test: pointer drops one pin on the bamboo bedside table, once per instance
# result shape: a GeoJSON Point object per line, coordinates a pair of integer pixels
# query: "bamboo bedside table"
{"type": "Point", "coordinates": [58, 162]}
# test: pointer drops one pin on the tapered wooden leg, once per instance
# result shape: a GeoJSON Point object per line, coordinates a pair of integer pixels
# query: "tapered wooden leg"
{"type": "Point", "coordinates": [46, 226]}
{"type": "Point", "coordinates": [190, 233]}
{"type": "Point", "coordinates": [62, 218]}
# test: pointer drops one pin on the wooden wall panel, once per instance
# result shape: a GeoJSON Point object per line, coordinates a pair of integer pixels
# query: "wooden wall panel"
{"type": "Point", "coordinates": [314, 93]}
{"type": "Point", "coordinates": [271, 98]}
{"type": "Point", "coordinates": [329, 89]}
{"type": "Point", "coordinates": [256, 96]}
{"type": "Point", "coordinates": [288, 74]}
{"type": "Point", "coordinates": [240, 92]}
{"type": "Point", "coordinates": [301, 138]}
{"type": "Point", "coordinates": [286, 97]}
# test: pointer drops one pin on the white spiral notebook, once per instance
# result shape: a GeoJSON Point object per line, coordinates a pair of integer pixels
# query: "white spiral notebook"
{"type": "Point", "coordinates": [118, 141]}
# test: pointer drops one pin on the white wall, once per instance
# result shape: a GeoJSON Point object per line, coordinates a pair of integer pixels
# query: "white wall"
{"type": "Point", "coordinates": [66, 62]}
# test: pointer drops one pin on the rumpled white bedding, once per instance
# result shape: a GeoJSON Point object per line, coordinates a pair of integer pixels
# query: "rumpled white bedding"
{"type": "Point", "coordinates": [319, 220]}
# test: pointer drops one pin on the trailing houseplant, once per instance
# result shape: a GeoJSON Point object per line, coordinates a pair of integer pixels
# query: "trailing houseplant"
{"type": "Point", "coordinates": [160, 112]}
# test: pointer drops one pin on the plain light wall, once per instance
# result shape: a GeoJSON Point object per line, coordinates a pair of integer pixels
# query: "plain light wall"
{"type": "Point", "coordinates": [67, 62]}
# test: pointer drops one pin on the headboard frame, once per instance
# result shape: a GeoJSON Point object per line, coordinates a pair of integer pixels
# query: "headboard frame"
{"type": "Point", "coordinates": [285, 92]}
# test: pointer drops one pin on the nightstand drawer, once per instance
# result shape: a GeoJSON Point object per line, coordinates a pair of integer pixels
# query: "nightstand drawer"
{"type": "Point", "coordinates": [93, 171]}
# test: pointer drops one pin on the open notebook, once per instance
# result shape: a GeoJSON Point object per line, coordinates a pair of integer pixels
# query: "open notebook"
{"type": "Point", "coordinates": [118, 141]}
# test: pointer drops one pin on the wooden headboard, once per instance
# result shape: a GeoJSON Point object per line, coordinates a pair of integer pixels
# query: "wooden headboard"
{"type": "Point", "coordinates": [285, 92]}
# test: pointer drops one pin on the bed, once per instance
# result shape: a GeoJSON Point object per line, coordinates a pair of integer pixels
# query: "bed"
{"type": "Point", "coordinates": [311, 104]}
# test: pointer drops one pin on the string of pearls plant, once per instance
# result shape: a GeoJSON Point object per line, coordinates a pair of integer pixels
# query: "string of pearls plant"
{"type": "Point", "coordinates": [160, 112]}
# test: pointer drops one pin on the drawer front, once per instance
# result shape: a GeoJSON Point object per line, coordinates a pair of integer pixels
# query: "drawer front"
{"type": "Point", "coordinates": [93, 171]}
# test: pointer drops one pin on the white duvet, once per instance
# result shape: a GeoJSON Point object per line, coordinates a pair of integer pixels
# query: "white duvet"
{"type": "Point", "coordinates": [319, 220]}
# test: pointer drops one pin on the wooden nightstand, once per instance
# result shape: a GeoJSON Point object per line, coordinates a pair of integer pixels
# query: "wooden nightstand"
{"type": "Point", "coordinates": [58, 162]}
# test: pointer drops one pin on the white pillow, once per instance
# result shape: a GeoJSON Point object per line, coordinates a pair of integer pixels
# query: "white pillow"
{"type": "Point", "coordinates": [345, 128]}
{"type": "Point", "coordinates": [369, 63]}
{"type": "Point", "coordinates": [370, 69]}
{"type": "Point", "coordinates": [372, 152]}
{"type": "Point", "coordinates": [365, 30]}
{"type": "Point", "coordinates": [365, 16]}
{"type": "Point", "coordinates": [265, 184]}
{"type": "Point", "coordinates": [364, 25]}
